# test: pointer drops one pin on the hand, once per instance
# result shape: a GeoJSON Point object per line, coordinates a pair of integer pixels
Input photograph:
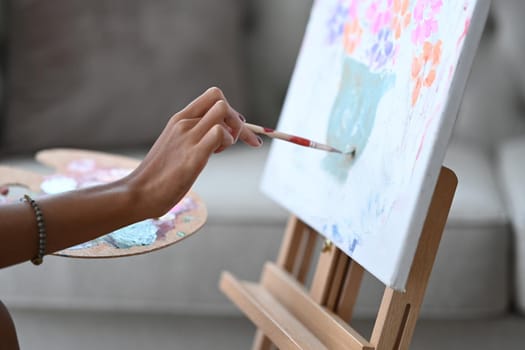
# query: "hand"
{"type": "Point", "coordinates": [207, 125]}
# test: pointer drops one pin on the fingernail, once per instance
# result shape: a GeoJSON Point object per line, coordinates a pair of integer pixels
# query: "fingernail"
{"type": "Point", "coordinates": [220, 149]}
{"type": "Point", "coordinates": [260, 140]}
{"type": "Point", "coordinates": [4, 191]}
{"type": "Point", "coordinates": [241, 117]}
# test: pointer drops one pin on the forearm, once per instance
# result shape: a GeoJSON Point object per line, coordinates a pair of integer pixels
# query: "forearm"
{"type": "Point", "coordinates": [70, 218]}
{"type": "Point", "coordinates": [166, 174]}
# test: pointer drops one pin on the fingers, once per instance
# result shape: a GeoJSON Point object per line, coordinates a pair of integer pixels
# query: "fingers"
{"type": "Point", "coordinates": [211, 99]}
{"type": "Point", "coordinates": [220, 113]}
{"type": "Point", "coordinates": [212, 108]}
{"type": "Point", "coordinates": [216, 139]}
{"type": "Point", "coordinates": [202, 104]}
{"type": "Point", "coordinates": [250, 138]}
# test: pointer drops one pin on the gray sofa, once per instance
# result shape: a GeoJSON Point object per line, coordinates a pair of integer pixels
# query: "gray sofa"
{"type": "Point", "coordinates": [106, 75]}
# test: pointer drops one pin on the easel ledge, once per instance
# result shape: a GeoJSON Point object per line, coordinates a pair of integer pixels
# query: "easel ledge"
{"type": "Point", "coordinates": [292, 317]}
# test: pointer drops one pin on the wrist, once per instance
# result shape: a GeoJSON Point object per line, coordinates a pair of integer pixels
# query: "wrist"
{"type": "Point", "coordinates": [89, 212]}
{"type": "Point", "coordinates": [143, 203]}
{"type": "Point", "coordinates": [131, 200]}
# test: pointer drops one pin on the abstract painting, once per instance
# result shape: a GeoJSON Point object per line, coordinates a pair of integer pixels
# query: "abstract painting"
{"type": "Point", "coordinates": [383, 78]}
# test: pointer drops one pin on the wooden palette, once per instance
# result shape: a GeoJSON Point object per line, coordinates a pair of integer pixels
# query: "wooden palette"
{"type": "Point", "coordinates": [186, 218]}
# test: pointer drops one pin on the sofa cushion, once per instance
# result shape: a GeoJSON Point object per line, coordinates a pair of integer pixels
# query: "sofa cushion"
{"type": "Point", "coordinates": [99, 74]}
{"type": "Point", "coordinates": [478, 199]}
{"type": "Point", "coordinates": [509, 18]}
{"type": "Point", "coordinates": [272, 47]}
{"type": "Point", "coordinates": [490, 109]}
{"type": "Point", "coordinates": [230, 187]}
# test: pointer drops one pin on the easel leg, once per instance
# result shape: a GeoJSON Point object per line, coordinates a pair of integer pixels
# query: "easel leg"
{"type": "Point", "coordinates": [289, 259]}
{"type": "Point", "coordinates": [398, 312]}
{"type": "Point", "coordinates": [261, 342]}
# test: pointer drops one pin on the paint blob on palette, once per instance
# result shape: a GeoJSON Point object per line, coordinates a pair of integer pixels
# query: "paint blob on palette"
{"type": "Point", "coordinates": [83, 169]}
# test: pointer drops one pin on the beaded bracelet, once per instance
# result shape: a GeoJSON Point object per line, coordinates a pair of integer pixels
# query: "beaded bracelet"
{"type": "Point", "coordinates": [41, 230]}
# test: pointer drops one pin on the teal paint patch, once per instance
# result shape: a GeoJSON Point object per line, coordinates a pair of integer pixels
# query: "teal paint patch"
{"type": "Point", "coordinates": [139, 234]}
{"type": "Point", "coordinates": [188, 218]}
{"type": "Point", "coordinates": [353, 114]}
{"type": "Point", "coordinates": [181, 234]}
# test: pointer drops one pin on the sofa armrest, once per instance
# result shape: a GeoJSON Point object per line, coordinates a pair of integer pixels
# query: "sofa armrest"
{"type": "Point", "coordinates": [511, 168]}
{"type": "Point", "coordinates": [512, 176]}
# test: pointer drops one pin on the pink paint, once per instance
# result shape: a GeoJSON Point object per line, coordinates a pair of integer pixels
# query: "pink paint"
{"type": "Point", "coordinates": [450, 73]}
{"type": "Point", "coordinates": [82, 165]}
{"type": "Point", "coordinates": [353, 10]}
{"type": "Point", "coordinates": [379, 15]}
{"type": "Point", "coordinates": [423, 138]}
{"type": "Point", "coordinates": [465, 31]}
{"type": "Point", "coordinates": [424, 15]}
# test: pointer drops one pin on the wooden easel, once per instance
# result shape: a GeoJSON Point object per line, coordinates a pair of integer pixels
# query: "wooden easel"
{"type": "Point", "coordinates": [292, 317]}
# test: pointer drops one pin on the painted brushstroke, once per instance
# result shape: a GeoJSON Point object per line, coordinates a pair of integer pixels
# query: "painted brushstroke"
{"type": "Point", "coordinates": [353, 114]}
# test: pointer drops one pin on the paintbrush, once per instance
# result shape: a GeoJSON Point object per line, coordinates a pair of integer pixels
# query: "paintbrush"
{"type": "Point", "coordinates": [301, 141]}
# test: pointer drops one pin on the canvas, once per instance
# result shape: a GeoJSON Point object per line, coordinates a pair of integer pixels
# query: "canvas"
{"type": "Point", "coordinates": [383, 78]}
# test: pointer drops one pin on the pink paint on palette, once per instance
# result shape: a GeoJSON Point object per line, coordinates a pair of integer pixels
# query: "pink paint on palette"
{"type": "Point", "coordinates": [83, 173]}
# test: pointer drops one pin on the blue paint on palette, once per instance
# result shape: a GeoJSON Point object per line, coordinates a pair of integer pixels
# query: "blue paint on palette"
{"type": "Point", "coordinates": [139, 234]}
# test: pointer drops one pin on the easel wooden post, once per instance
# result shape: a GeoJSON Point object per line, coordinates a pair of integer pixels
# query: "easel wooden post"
{"type": "Point", "coordinates": [291, 317]}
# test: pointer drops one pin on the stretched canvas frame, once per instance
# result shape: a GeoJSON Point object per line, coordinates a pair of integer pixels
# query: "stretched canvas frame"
{"type": "Point", "coordinates": [383, 78]}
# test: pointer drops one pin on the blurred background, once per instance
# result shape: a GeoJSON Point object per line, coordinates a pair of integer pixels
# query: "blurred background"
{"type": "Point", "coordinates": [107, 75]}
